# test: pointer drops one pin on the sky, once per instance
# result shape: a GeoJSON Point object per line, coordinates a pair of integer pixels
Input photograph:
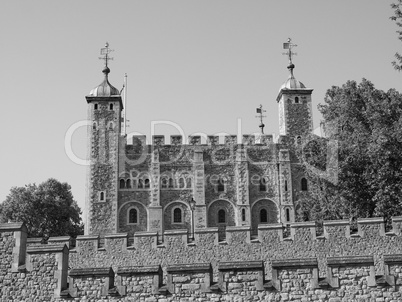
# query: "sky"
{"type": "Point", "coordinates": [202, 65]}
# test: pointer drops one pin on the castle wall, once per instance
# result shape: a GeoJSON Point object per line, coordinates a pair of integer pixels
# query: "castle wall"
{"type": "Point", "coordinates": [337, 266]}
{"type": "Point", "coordinates": [177, 173]}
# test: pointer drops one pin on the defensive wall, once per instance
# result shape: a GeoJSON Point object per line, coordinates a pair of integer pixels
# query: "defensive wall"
{"type": "Point", "coordinates": [299, 264]}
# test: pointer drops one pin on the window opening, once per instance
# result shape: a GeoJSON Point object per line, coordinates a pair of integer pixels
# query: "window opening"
{"type": "Point", "coordinates": [181, 183]}
{"type": "Point", "coordinates": [189, 183]}
{"type": "Point", "coordinates": [164, 183]}
{"type": "Point", "coordinates": [221, 216]}
{"type": "Point", "coordinates": [146, 183]}
{"type": "Point", "coordinates": [111, 106]}
{"type": "Point", "coordinates": [287, 215]}
{"type": "Point", "coordinates": [102, 196]}
{"type": "Point", "coordinates": [263, 216]}
{"type": "Point", "coordinates": [170, 182]}
{"type": "Point", "coordinates": [128, 183]}
{"type": "Point", "coordinates": [297, 100]}
{"type": "Point", "coordinates": [140, 184]}
{"type": "Point", "coordinates": [221, 185]}
{"type": "Point", "coordinates": [263, 184]}
{"type": "Point", "coordinates": [304, 186]}
{"type": "Point", "coordinates": [177, 215]}
{"type": "Point", "coordinates": [243, 215]}
{"type": "Point", "coordinates": [122, 183]}
{"type": "Point", "coordinates": [133, 216]}
{"type": "Point", "coordinates": [96, 106]}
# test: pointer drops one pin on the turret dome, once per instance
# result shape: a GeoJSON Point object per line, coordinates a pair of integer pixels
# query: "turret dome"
{"type": "Point", "coordinates": [291, 82]}
{"type": "Point", "coordinates": [105, 89]}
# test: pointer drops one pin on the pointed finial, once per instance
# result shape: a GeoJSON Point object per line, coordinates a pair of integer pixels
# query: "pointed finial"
{"type": "Point", "coordinates": [105, 56]}
{"type": "Point", "coordinates": [289, 45]}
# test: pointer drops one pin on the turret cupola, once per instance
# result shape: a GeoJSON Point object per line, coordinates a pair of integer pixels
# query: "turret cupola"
{"type": "Point", "coordinates": [105, 89]}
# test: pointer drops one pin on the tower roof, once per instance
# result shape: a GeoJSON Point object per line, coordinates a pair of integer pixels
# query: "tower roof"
{"type": "Point", "coordinates": [105, 89]}
{"type": "Point", "coordinates": [291, 82]}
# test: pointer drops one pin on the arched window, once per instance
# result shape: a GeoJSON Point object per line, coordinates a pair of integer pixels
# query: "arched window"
{"type": "Point", "coordinates": [128, 183]}
{"type": "Point", "coordinates": [96, 106]}
{"type": "Point", "coordinates": [181, 183]}
{"type": "Point", "coordinates": [297, 100]}
{"type": "Point", "coordinates": [164, 183]}
{"type": "Point", "coordinates": [286, 185]}
{"type": "Point", "coordinates": [221, 185]}
{"type": "Point", "coordinates": [243, 215]}
{"type": "Point", "coordinates": [177, 218]}
{"type": "Point", "coordinates": [170, 182]}
{"type": "Point", "coordinates": [140, 184]}
{"type": "Point", "coordinates": [111, 126]}
{"type": "Point", "coordinates": [146, 183]}
{"type": "Point", "coordinates": [133, 216]}
{"type": "Point", "coordinates": [111, 106]}
{"type": "Point", "coordinates": [263, 216]}
{"type": "Point", "coordinates": [298, 140]}
{"type": "Point", "coordinates": [102, 196]}
{"type": "Point", "coordinates": [287, 215]}
{"type": "Point", "coordinates": [122, 183]}
{"type": "Point", "coordinates": [263, 184]}
{"type": "Point", "coordinates": [304, 186]}
{"type": "Point", "coordinates": [221, 216]}
{"type": "Point", "coordinates": [189, 183]}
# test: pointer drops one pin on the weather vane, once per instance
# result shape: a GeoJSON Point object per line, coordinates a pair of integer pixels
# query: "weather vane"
{"type": "Point", "coordinates": [260, 116]}
{"type": "Point", "coordinates": [289, 45]}
{"type": "Point", "coordinates": [105, 53]}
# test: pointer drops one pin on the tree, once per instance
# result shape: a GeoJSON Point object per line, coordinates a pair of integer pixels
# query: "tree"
{"type": "Point", "coordinates": [368, 131]}
{"type": "Point", "coordinates": [48, 209]}
{"type": "Point", "coordinates": [397, 17]}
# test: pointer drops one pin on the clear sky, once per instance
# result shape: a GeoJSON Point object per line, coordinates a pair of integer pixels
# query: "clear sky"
{"type": "Point", "coordinates": [200, 64]}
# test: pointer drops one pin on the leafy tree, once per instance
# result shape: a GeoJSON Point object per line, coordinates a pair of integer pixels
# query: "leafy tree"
{"type": "Point", "coordinates": [367, 126]}
{"type": "Point", "coordinates": [397, 17]}
{"type": "Point", "coordinates": [48, 209]}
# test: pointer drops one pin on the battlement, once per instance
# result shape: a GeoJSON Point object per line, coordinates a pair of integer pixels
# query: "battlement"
{"type": "Point", "coordinates": [209, 140]}
{"type": "Point", "coordinates": [303, 264]}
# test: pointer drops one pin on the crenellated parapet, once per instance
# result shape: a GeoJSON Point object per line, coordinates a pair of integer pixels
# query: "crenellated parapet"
{"type": "Point", "coordinates": [208, 140]}
{"type": "Point", "coordinates": [304, 260]}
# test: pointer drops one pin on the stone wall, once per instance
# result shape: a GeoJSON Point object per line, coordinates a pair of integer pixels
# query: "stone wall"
{"type": "Point", "coordinates": [301, 266]}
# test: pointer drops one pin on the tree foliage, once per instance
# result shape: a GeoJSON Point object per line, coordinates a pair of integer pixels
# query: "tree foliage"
{"type": "Point", "coordinates": [48, 209]}
{"type": "Point", "coordinates": [367, 128]}
{"type": "Point", "coordinates": [397, 17]}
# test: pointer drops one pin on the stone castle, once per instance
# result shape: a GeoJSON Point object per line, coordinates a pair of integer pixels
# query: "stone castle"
{"type": "Point", "coordinates": [245, 181]}
{"type": "Point", "coordinates": [201, 222]}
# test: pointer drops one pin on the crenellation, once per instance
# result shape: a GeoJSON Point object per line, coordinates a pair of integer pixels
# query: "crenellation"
{"type": "Point", "coordinates": [100, 274]}
{"type": "Point", "coordinates": [368, 227]}
{"type": "Point", "coordinates": [194, 140]}
{"type": "Point", "coordinates": [175, 237]}
{"type": "Point", "coordinates": [303, 231]}
{"type": "Point", "coordinates": [145, 240]}
{"type": "Point", "coordinates": [158, 140]}
{"type": "Point", "coordinates": [397, 225]}
{"type": "Point", "coordinates": [238, 234]}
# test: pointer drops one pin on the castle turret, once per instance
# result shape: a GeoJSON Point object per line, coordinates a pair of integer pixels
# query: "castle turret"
{"type": "Point", "coordinates": [104, 113]}
{"type": "Point", "coordinates": [294, 100]}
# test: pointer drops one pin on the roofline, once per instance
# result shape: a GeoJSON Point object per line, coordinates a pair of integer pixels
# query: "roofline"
{"type": "Point", "coordinates": [293, 91]}
{"type": "Point", "coordinates": [91, 98]}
